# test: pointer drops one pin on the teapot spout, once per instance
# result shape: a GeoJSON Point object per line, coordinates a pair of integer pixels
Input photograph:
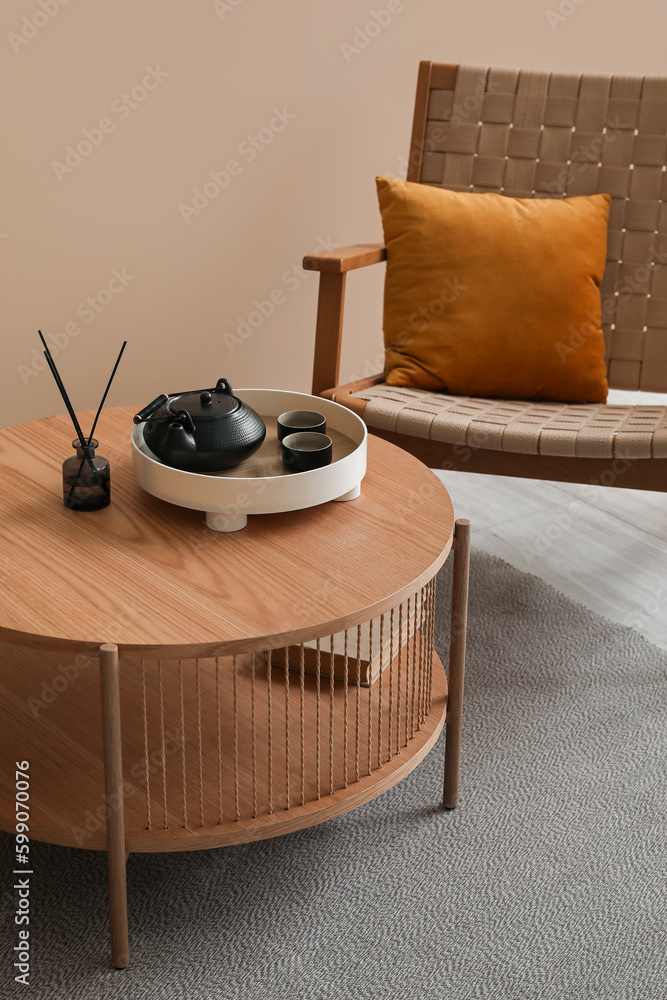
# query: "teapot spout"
{"type": "Point", "coordinates": [178, 446]}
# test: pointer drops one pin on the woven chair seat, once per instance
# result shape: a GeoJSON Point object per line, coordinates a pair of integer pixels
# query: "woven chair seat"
{"type": "Point", "coordinates": [589, 430]}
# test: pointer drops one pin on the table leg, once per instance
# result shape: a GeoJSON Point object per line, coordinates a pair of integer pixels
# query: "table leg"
{"type": "Point", "coordinates": [113, 782]}
{"type": "Point", "coordinates": [457, 655]}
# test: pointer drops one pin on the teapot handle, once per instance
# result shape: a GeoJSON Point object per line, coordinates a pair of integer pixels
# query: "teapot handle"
{"type": "Point", "coordinates": [149, 410]}
{"type": "Point", "coordinates": [182, 416]}
{"type": "Point", "coordinates": [223, 385]}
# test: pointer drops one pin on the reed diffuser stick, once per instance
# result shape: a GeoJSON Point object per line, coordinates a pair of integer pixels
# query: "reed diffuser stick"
{"type": "Point", "coordinates": [106, 392]}
{"type": "Point", "coordinates": [61, 387]}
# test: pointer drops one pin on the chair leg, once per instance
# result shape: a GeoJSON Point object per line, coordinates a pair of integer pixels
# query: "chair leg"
{"type": "Point", "coordinates": [457, 656]}
{"type": "Point", "coordinates": [113, 786]}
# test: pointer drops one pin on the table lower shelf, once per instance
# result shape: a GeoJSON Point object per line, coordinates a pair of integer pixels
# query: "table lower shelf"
{"type": "Point", "coordinates": [214, 753]}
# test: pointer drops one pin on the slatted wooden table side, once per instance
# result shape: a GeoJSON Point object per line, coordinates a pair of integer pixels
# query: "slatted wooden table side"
{"type": "Point", "coordinates": [196, 778]}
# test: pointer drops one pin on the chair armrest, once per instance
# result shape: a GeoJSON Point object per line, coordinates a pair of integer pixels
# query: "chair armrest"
{"type": "Point", "coordinates": [346, 258]}
{"type": "Point", "coordinates": [347, 390]}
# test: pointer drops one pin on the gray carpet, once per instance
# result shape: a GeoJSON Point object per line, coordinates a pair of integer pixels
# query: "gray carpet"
{"type": "Point", "coordinates": [549, 880]}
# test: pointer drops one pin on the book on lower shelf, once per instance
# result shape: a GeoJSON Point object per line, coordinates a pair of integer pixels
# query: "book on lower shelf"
{"type": "Point", "coordinates": [371, 659]}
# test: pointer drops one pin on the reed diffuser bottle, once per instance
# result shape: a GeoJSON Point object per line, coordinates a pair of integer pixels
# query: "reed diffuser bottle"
{"type": "Point", "coordinates": [86, 478]}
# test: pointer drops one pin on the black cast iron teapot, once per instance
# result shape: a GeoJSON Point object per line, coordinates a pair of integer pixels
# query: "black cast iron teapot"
{"type": "Point", "coordinates": [205, 430]}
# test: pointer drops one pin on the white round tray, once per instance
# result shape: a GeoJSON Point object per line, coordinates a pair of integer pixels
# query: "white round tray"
{"type": "Point", "coordinates": [261, 484]}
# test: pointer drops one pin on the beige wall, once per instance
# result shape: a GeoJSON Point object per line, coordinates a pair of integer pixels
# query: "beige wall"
{"type": "Point", "coordinates": [219, 73]}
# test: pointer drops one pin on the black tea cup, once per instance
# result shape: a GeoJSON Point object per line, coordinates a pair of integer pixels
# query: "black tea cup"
{"type": "Point", "coordinates": [307, 450]}
{"type": "Point", "coordinates": [294, 421]}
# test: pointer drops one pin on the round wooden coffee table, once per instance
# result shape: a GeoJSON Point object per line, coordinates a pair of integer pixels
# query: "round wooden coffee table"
{"type": "Point", "coordinates": [250, 684]}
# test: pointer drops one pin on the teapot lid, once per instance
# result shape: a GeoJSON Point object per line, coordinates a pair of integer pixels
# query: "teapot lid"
{"type": "Point", "coordinates": [209, 404]}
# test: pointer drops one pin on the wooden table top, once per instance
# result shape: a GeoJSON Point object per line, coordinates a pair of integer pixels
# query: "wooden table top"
{"type": "Point", "coordinates": [150, 576]}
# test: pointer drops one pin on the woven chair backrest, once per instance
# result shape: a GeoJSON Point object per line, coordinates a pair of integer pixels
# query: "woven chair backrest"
{"type": "Point", "coordinates": [536, 135]}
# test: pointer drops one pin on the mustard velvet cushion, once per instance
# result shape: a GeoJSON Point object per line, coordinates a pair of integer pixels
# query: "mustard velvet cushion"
{"type": "Point", "coordinates": [487, 295]}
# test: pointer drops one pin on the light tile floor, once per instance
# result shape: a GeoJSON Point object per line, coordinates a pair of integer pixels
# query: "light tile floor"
{"type": "Point", "coordinates": [606, 548]}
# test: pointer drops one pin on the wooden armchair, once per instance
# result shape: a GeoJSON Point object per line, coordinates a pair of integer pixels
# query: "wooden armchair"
{"type": "Point", "coordinates": [535, 134]}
